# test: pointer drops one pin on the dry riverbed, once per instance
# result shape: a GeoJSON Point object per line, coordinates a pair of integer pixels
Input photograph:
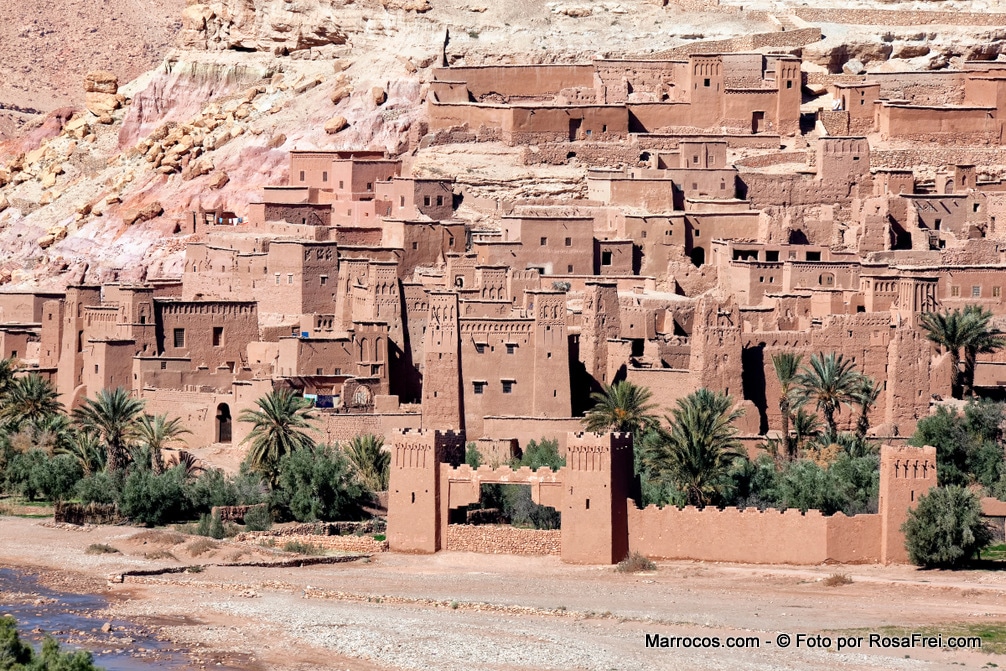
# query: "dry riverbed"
{"type": "Point", "coordinates": [465, 611]}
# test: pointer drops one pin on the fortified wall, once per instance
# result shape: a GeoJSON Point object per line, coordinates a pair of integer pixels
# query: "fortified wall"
{"type": "Point", "coordinates": [601, 523]}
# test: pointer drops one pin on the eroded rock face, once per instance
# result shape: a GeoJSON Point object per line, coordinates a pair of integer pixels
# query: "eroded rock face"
{"type": "Point", "coordinates": [263, 25]}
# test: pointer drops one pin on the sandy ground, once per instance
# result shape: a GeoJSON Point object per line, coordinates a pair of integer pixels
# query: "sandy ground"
{"type": "Point", "coordinates": [464, 611]}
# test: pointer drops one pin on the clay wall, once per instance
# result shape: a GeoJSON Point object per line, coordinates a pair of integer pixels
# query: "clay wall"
{"type": "Point", "coordinates": [409, 198]}
{"type": "Point", "coordinates": [311, 169]}
{"type": "Point", "coordinates": [445, 116]}
{"type": "Point", "coordinates": [355, 179]}
{"type": "Point", "coordinates": [302, 278]}
{"type": "Point", "coordinates": [210, 333]}
{"type": "Point", "coordinates": [521, 81]}
{"type": "Point", "coordinates": [936, 124]}
{"type": "Point", "coordinates": [666, 384]}
{"type": "Point", "coordinates": [530, 125]}
{"type": "Point", "coordinates": [884, 17]}
{"type": "Point", "coordinates": [342, 427]}
{"type": "Point", "coordinates": [23, 308]}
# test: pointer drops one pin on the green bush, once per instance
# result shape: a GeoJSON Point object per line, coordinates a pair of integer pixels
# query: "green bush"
{"type": "Point", "coordinates": [35, 474]}
{"type": "Point", "coordinates": [968, 446]}
{"type": "Point", "coordinates": [541, 453]}
{"type": "Point", "coordinates": [152, 499]}
{"type": "Point", "coordinates": [472, 455]}
{"type": "Point", "coordinates": [16, 655]}
{"type": "Point", "coordinates": [317, 483]}
{"type": "Point", "coordinates": [100, 487]}
{"type": "Point", "coordinates": [946, 529]}
{"type": "Point", "coordinates": [258, 519]}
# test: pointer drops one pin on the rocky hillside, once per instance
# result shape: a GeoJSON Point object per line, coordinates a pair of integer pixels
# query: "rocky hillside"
{"type": "Point", "coordinates": [101, 186]}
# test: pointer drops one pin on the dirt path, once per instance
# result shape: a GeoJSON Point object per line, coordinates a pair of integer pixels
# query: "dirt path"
{"type": "Point", "coordinates": [463, 611]}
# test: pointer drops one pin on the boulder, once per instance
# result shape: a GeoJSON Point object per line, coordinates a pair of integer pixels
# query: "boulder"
{"type": "Point", "coordinates": [335, 124]}
{"type": "Point", "coordinates": [218, 180]}
{"type": "Point", "coordinates": [101, 81]}
{"type": "Point", "coordinates": [100, 104]}
{"type": "Point", "coordinates": [339, 94]}
{"type": "Point", "coordinates": [140, 214]}
{"type": "Point", "coordinates": [378, 95]}
{"type": "Point", "coordinates": [854, 67]}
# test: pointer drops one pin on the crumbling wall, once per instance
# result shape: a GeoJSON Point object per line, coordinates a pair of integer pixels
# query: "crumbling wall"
{"type": "Point", "coordinates": [503, 539]}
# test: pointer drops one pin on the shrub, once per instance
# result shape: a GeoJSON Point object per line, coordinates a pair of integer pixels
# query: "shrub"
{"type": "Point", "coordinates": [946, 529]}
{"type": "Point", "coordinates": [153, 500]}
{"type": "Point", "coordinates": [100, 549]}
{"type": "Point", "coordinates": [472, 455]}
{"type": "Point", "coordinates": [212, 488]}
{"type": "Point", "coordinates": [635, 563]}
{"type": "Point", "coordinates": [303, 548]}
{"type": "Point", "coordinates": [202, 546]}
{"type": "Point", "coordinates": [837, 579]}
{"type": "Point", "coordinates": [967, 446]}
{"type": "Point", "coordinates": [35, 474]}
{"type": "Point", "coordinates": [317, 483]}
{"type": "Point", "coordinates": [15, 654]}
{"type": "Point", "coordinates": [258, 518]}
{"type": "Point", "coordinates": [101, 487]}
{"type": "Point", "coordinates": [541, 453]}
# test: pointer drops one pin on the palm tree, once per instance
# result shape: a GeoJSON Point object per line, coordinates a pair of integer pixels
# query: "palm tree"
{"type": "Point", "coordinates": [830, 380]}
{"type": "Point", "coordinates": [112, 416]}
{"type": "Point", "coordinates": [86, 448]}
{"type": "Point", "coordinates": [7, 368]}
{"type": "Point", "coordinates": [371, 460]}
{"type": "Point", "coordinates": [787, 367]}
{"type": "Point", "coordinates": [700, 446]}
{"type": "Point", "coordinates": [866, 394]}
{"type": "Point", "coordinates": [621, 407]}
{"type": "Point", "coordinates": [981, 339]}
{"type": "Point", "coordinates": [950, 331]}
{"type": "Point", "coordinates": [31, 399]}
{"type": "Point", "coordinates": [156, 432]}
{"type": "Point", "coordinates": [806, 426]}
{"type": "Point", "coordinates": [277, 429]}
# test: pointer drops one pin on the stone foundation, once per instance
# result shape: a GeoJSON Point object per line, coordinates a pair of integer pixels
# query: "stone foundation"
{"type": "Point", "coordinates": [503, 539]}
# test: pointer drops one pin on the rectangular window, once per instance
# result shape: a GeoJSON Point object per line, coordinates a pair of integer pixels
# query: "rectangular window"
{"type": "Point", "coordinates": [401, 201]}
{"type": "Point", "coordinates": [277, 278]}
{"type": "Point", "coordinates": [370, 186]}
{"type": "Point", "coordinates": [324, 176]}
{"type": "Point", "coordinates": [319, 371]}
{"type": "Point", "coordinates": [440, 201]}
{"type": "Point", "coordinates": [510, 349]}
{"type": "Point", "coordinates": [507, 386]}
{"type": "Point", "coordinates": [605, 258]}
{"type": "Point", "coordinates": [789, 85]}
{"type": "Point", "coordinates": [164, 365]}
{"type": "Point", "coordinates": [706, 82]}
{"type": "Point", "coordinates": [480, 348]}
{"type": "Point", "coordinates": [426, 201]}
{"type": "Point", "coordinates": [976, 292]}
{"type": "Point", "coordinates": [342, 184]}
{"type": "Point", "coordinates": [289, 278]}
{"type": "Point", "coordinates": [218, 336]}
{"type": "Point", "coordinates": [996, 292]}
{"type": "Point", "coordinates": [569, 269]}
{"type": "Point", "coordinates": [569, 242]}
{"type": "Point", "coordinates": [478, 387]}
{"type": "Point", "coordinates": [544, 241]}
{"type": "Point", "coordinates": [415, 245]}
{"type": "Point", "coordinates": [179, 337]}
{"type": "Point", "coordinates": [450, 241]}
{"type": "Point", "coordinates": [302, 175]}
{"type": "Point", "coordinates": [955, 291]}
{"type": "Point", "coordinates": [323, 279]}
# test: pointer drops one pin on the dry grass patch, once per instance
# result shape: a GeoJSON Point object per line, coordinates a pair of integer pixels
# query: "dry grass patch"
{"type": "Point", "coordinates": [160, 554]}
{"type": "Point", "coordinates": [100, 549]}
{"type": "Point", "coordinates": [837, 579]}
{"type": "Point", "coordinates": [158, 537]}
{"type": "Point", "coordinates": [303, 548]}
{"type": "Point", "coordinates": [635, 563]}
{"type": "Point", "coordinates": [202, 546]}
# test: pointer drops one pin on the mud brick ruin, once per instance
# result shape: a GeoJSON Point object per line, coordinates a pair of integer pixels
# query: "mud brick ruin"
{"type": "Point", "coordinates": [723, 220]}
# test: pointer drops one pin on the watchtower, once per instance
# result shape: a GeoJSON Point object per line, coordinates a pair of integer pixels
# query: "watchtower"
{"type": "Point", "coordinates": [905, 474]}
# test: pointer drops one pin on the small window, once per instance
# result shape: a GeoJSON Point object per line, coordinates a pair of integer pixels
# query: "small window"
{"type": "Point", "coordinates": [415, 245]}
{"type": "Point", "coordinates": [302, 175]}
{"type": "Point", "coordinates": [569, 269]}
{"type": "Point", "coordinates": [14, 354]}
{"type": "Point", "coordinates": [323, 279]}
{"type": "Point", "coordinates": [996, 292]}
{"type": "Point", "coordinates": [771, 256]}
{"type": "Point", "coordinates": [370, 186]}
{"type": "Point", "coordinates": [789, 83]}
{"type": "Point", "coordinates": [698, 233]}
{"type": "Point", "coordinates": [478, 387]}
{"type": "Point", "coordinates": [440, 201]}
{"type": "Point", "coordinates": [644, 234]}
{"type": "Point", "coordinates": [277, 278]}
{"type": "Point", "coordinates": [341, 184]}
{"type": "Point", "coordinates": [289, 278]}
{"type": "Point", "coordinates": [164, 365]}
{"type": "Point", "coordinates": [218, 336]}
{"type": "Point", "coordinates": [604, 128]}
{"type": "Point", "coordinates": [319, 371]}
{"type": "Point", "coordinates": [507, 386]}
{"type": "Point", "coordinates": [450, 241]}
{"type": "Point", "coordinates": [976, 292]}
{"type": "Point", "coordinates": [324, 176]}
{"type": "Point", "coordinates": [695, 159]}
{"type": "Point", "coordinates": [568, 242]}
{"type": "Point", "coordinates": [401, 201]}
{"type": "Point", "coordinates": [480, 348]}
{"type": "Point", "coordinates": [510, 349]}
{"type": "Point", "coordinates": [544, 241]}
{"type": "Point", "coordinates": [605, 258]}
{"type": "Point", "coordinates": [975, 207]}
{"type": "Point", "coordinates": [179, 337]}
{"type": "Point", "coordinates": [706, 82]}
{"type": "Point", "coordinates": [955, 291]}
{"type": "Point", "coordinates": [426, 201]}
